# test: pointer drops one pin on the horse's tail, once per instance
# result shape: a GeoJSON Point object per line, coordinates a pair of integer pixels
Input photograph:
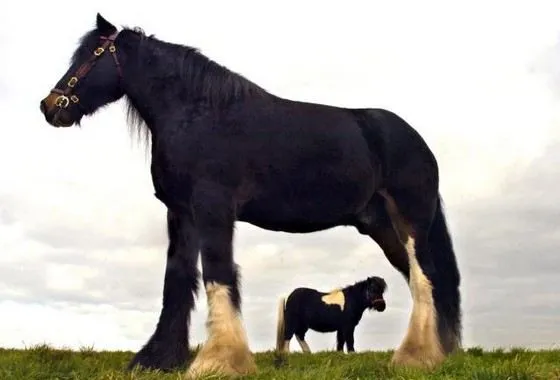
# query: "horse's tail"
{"type": "Point", "coordinates": [280, 327]}
{"type": "Point", "coordinates": [446, 279]}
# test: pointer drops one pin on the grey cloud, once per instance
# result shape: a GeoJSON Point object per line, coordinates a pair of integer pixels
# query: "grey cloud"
{"type": "Point", "coordinates": [122, 285]}
{"type": "Point", "coordinates": [508, 249]}
{"type": "Point", "coordinates": [70, 232]}
{"type": "Point", "coordinates": [516, 231]}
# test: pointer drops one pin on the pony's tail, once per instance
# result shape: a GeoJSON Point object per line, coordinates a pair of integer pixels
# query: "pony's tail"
{"type": "Point", "coordinates": [280, 327]}
{"type": "Point", "coordinates": [446, 279]}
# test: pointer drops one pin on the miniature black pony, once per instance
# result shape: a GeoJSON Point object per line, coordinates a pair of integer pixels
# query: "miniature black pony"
{"type": "Point", "coordinates": [224, 149]}
{"type": "Point", "coordinates": [339, 310]}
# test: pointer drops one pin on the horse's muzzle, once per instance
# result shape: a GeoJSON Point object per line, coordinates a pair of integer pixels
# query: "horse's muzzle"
{"type": "Point", "coordinates": [55, 116]}
{"type": "Point", "coordinates": [379, 304]}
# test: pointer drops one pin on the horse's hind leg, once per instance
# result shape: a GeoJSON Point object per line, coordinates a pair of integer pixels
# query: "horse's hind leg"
{"type": "Point", "coordinates": [300, 336]}
{"type": "Point", "coordinates": [226, 350]}
{"type": "Point", "coordinates": [168, 346]}
{"type": "Point", "coordinates": [428, 263]}
{"type": "Point", "coordinates": [434, 327]}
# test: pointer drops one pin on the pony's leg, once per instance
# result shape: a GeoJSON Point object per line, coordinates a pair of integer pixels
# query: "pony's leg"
{"type": "Point", "coordinates": [339, 340]}
{"type": "Point", "coordinates": [290, 320]}
{"type": "Point", "coordinates": [433, 277]}
{"type": "Point", "coordinates": [226, 350]}
{"type": "Point", "coordinates": [300, 336]}
{"type": "Point", "coordinates": [349, 338]}
{"type": "Point", "coordinates": [168, 346]}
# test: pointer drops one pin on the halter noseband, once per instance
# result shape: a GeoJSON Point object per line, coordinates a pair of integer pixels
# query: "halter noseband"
{"type": "Point", "coordinates": [66, 96]}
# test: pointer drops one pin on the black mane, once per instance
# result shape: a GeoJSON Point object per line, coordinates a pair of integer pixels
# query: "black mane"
{"type": "Point", "coordinates": [196, 77]}
{"type": "Point", "coordinates": [364, 283]}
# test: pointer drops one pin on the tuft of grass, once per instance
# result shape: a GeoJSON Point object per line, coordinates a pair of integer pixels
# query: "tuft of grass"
{"type": "Point", "coordinates": [42, 363]}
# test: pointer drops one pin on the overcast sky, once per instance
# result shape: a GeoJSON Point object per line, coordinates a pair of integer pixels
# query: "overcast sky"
{"type": "Point", "coordinates": [82, 238]}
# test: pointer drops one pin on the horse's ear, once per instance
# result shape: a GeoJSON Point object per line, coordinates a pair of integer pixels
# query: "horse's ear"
{"type": "Point", "coordinates": [381, 281]}
{"type": "Point", "coordinates": [104, 27]}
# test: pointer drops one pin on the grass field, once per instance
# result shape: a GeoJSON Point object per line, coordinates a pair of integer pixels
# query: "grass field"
{"type": "Point", "coordinates": [42, 362]}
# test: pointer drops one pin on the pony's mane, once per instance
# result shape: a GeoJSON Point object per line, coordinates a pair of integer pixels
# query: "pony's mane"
{"type": "Point", "coordinates": [363, 283]}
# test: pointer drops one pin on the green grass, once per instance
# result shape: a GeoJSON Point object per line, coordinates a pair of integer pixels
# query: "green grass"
{"type": "Point", "coordinates": [42, 362]}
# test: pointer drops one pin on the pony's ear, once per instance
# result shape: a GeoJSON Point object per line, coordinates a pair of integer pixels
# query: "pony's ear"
{"type": "Point", "coordinates": [381, 281]}
{"type": "Point", "coordinates": [104, 27]}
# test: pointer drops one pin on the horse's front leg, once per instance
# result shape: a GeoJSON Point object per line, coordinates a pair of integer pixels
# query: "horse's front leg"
{"type": "Point", "coordinates": [226, 350]}
{"type": "Point", "coordinates": [168, 347]}
{"type": "Point", "coordinates": [349, 338]}
{"type": "Point", "coordinates": [339, 340]}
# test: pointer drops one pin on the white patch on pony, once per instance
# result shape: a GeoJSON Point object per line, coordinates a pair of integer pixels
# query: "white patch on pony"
{"type": "Point", "coordinates": [286, 346]}
{"type": "Point", "coordinates": [303, 344]}
{"type": "Point", "coordinates": [421, 346]}
{"type": "Point", "coordinates": [335, 297]}
{"type": "Point", "coordinates": [226, 350]}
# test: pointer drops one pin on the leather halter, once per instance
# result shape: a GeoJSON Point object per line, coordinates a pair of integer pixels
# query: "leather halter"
{"type": "Point", "coordinates": [66, 96]}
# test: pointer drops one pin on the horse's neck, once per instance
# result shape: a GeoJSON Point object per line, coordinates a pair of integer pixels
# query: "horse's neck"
{"type": "Point", "coordinates": [357, 297]}
{"type": "Point", "coordinates": [161, 85]}
{"type": "Point", "coordinates": [150, 83]}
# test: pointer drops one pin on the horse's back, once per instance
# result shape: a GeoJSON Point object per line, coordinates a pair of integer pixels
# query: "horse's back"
{"type": "Point", "coordinates": [302, 294]}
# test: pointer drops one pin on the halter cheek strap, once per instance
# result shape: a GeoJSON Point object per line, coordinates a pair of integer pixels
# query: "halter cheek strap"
{"type": "Point", "coordinates": [66, 96]}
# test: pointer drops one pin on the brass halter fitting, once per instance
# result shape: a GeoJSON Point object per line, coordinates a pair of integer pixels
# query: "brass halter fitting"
{"type": "Point", "coordinates": [62, 101]}
{"type": "Point", "coordinates": [65, 97]}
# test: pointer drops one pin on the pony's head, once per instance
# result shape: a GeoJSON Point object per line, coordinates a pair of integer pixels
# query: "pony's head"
{"type": "Point", "coordinates": [92, 80]}
{"type": "Point", "coordinates": [373, 289]}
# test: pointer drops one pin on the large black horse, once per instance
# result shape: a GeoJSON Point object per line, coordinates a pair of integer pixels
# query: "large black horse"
{"type": "Point", "coordinates": [339, 310]}
{"type": "Point", "coordinates": [224, 149]}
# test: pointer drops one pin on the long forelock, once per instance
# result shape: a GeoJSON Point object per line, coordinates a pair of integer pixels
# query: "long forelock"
{"type": "Point", "coordinates": [83, 47]}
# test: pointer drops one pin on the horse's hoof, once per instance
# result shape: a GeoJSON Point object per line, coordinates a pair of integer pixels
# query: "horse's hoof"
{"type": "Point", "coordinates": [147, 359]}
{"type": "Point", "coordinates": [222, 360]}
{"type": "Point", "coordinates": [417, 358]}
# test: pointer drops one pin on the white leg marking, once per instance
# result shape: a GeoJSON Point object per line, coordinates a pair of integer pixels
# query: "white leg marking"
{"type": "Point", "coordinates": [286, 346]}
{"type": "Point", "coordinates": [421, 345]}
{"type": "Point", "coordinates": [226, 350]}
{"type": "Point", "coordinates": [303, 344]}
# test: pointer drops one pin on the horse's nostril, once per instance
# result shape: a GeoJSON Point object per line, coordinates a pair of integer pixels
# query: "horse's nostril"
{"type": "Point", "coordinates": [43, 106]}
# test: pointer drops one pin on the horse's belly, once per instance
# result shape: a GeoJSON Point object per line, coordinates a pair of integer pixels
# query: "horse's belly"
{"type": "Point", "coordinates": [307, 206]}
{"type": "Point", "coordinates": [325, 320]}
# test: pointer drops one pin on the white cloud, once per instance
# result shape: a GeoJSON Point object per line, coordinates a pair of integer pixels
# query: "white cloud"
{"type": "Point", "coordinates": [82, 239]}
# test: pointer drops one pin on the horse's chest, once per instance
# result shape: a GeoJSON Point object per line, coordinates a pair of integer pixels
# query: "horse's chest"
{"type": "Point", "coordinates": [172, 183]}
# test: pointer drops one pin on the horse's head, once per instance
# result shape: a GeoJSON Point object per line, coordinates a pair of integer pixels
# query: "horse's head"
{"type": "Point", "coordinates": [374, 289]}
{"type": "Point", "coordinates": [92, 81]}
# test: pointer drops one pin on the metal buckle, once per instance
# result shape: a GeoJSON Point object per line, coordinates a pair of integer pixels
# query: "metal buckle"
{"type": "Point", "coordinates": [98, 51]}
{"type": "Point", "coordinates": [112, 48]}
{"type": "Point", "coordinates": [74, 99]}
{"type": "Point", "coordinates": [72, 82]}
{"type": "Point", "coordinates": [62, 101]}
